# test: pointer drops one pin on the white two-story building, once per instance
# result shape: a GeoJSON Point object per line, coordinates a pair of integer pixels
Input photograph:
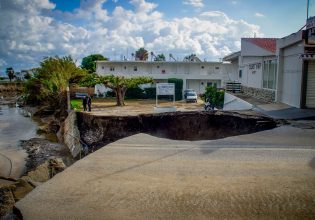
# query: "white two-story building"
{"type": "Point", "coordinates": [195, 75]}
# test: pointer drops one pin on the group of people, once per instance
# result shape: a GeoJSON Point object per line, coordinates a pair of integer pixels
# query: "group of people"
{"type": "Point", "coordinates": [87, 102]}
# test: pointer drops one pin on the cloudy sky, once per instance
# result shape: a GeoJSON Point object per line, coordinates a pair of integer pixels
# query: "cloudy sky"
{"type": "Point", "coordinates": [33, 29]}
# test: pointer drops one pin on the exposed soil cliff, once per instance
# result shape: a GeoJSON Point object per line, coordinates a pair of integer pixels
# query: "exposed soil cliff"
{"type": "Point", "coordinates": [99, 130]}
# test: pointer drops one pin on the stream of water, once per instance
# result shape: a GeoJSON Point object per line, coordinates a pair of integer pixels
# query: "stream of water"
{"type": "Point", "coordinates": [15, 125]}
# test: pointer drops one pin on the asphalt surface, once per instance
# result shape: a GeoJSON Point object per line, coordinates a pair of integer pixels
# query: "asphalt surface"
{"type": "Point", "coordinates": [265, 175]}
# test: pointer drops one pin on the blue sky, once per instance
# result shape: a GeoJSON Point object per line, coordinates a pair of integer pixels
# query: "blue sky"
{"type": "Point", "coordinates": [33, 29]}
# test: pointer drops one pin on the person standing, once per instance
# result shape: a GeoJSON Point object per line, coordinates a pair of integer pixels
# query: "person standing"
{"type": "Point", "coordinates": [84, 102]}
{"type": "Point", "coordinates": [89, 103]}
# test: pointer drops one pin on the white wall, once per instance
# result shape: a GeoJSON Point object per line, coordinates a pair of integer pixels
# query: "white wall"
{"type": "Point", "coordinates": [250, 49]}
{"type": "Point", "coordinates": [199, 73]}
{"type": "Point", "coordinates": [233, 74]}
{"type": "Point", "coordinates": [290, 92]}
{"type": "Point", "coordinates": [200, 85]}
{"type": "Point", "coordinates": [251, 78]}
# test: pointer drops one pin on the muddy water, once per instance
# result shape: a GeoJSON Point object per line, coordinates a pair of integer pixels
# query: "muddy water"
{"type": "Point", "coordinates": [15, 125]}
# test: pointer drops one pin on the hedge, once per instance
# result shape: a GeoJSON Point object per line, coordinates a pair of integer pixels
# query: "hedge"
{"type": "Point", "coordinates": [178, 87]}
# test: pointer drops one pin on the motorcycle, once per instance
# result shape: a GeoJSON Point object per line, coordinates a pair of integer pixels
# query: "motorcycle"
{"type": "Point", "coordinates": [208, 105]}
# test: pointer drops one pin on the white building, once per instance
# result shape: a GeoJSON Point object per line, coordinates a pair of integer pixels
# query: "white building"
{"type": "Point", "coordinates": [195, 75]}
{"type": "Point", "coordinates": [279, 70]}
{"type": "Point", "coordinates": [255, 67]}
{"type": "Point", "coordinates": [296, 71]}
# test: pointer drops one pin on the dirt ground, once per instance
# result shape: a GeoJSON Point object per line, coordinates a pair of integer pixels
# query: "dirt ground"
{"type": "Point", "coordinates": [135, 107]}
{"type": "Point", "coordinates": [107, 107]}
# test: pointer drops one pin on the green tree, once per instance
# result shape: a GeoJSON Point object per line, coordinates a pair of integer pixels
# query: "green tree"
{"type": "Point", "coordinates": [48, 86]}
{"type": "Point", "coordinates": [89, 80]}
{"type": "Point", "coordinates": [88, 62]}
{"type": "Point", "coordinates": [160, 57]}
{"type": "Point", "coordinates": [27, 76]}
{"type": "Point", "coordinates": [120, 84]}
{"type": "Point", "coordinates": [10, 73]}
{"type": "Point", "coordinates": [142, 54]}
{"type": "Point", "coordinates": [216, 96]}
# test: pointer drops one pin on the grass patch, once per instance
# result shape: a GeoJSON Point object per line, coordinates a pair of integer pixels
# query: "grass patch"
{"type": "Point", "coordinates": [76, 104]}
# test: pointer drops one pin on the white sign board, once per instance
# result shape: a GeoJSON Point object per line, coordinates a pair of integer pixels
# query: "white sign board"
{"type": "Point", "coordinates": [165, 89]}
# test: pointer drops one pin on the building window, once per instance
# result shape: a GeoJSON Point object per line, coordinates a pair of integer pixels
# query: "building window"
{"type": "Point", "coordinates": [103, 67]}
{"type": "Point", "coordinates": [157, 66]}
{"type": "Point", "coordinates": [163, 71]}
{"type": "Point", "coordinates": [112, 68]}
{"type": "Point", "coordinates": [217, 67]}
{"type": "Point", "coordinates": [240, 73]}
{"type": "Point", "coordinates": [125, 67]}
{"type": "Point", "coordinates": [202, 67]}
{"type": "Point", "coordinates": [270, 74]}
{"type": "Point", "coordinates": [135, 68]}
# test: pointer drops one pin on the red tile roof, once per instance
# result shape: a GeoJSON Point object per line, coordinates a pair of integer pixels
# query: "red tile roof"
{"type": "Point", "coordinates": [269, 44]}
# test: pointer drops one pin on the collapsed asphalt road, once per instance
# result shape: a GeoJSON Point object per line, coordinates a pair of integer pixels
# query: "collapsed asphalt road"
{"type": "Point", "coordinates": [269, 175]}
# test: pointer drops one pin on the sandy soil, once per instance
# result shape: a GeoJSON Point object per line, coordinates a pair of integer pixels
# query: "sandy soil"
{"type": "Point", "coordinates": [107, 107]}
{"type": "Point", "coordinates": [135, 107]}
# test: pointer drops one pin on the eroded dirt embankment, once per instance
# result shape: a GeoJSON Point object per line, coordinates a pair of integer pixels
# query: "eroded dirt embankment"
{"type": "Point", "coordinates": [97, 131]}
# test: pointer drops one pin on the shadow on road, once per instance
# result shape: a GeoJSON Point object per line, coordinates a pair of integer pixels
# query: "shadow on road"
{"type": "Point", "coordinates": [312, 163]}
{"type": "Point", "coordinates": [205, 151]}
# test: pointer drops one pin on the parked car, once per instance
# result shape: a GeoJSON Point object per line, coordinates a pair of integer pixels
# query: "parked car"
{"type": "Point", "coordinates": [191, 96]}
{"type": "Point", "coordinates": [187, 91]}
{"type": "Point", "coordinates": [81, 95]}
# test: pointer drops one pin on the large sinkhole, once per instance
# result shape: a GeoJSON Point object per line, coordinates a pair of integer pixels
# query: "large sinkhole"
{"type": "Point", "coordinates": [97, 131]}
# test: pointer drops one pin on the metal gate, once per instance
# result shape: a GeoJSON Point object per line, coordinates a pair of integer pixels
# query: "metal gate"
{"type": "Point", "coordinates": [310, 89]}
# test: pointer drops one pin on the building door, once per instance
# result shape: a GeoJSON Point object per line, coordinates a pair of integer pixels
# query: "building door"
{"type": "Point", "coordinates": [310, 89]}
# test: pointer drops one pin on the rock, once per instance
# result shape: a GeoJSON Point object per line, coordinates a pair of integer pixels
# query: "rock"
{"type": "Point", "coordinates": [39, 174]}
{"type": "Point", "coordinates": [39, 150]}
{"type": "Point", "coordinates": [10, 194]}
{"type": "Point", "coordinates": [12, 190]}
{"type": "Point", "coordinates": [6, 200]}
{"type": "Point", "coordinates": [45, 171]}
{"type": "Point", "coordinates": [21, 188]}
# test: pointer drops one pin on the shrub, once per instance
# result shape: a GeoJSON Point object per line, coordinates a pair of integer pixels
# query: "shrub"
{"type": "Point", "coordinates": [216, 96]}
{"type": "Point", "coordinates": [110, 93]}
{"type": "Point", "coordinates": [135, 93]}
{"type": "Point", "coordinates": [150, 93]}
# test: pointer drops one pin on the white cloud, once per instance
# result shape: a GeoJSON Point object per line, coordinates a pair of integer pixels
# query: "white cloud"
{"type": "Point", "coordinates": [25, 38]}
{"type": "Point", "coordinates": [2, 63]}
{"type": "Point", "coordinates": [234, 2]}
{"type": "Point", "coordinates": [257, 14]}
{"type": "Point", "coordinates": [194, 3]}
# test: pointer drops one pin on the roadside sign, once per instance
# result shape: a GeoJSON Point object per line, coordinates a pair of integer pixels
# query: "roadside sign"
{"type": "Point", "coordinates": [165, 89]}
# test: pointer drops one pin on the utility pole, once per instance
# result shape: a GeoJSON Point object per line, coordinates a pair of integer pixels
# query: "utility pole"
{"type": "Point", "coordinates": [307, 8]}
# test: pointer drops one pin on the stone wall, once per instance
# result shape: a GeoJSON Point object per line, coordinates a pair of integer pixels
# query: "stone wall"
{"type": "Point", "coordinates": [71, 134]}
{"type": "Point", "coordinates": [263, 94]}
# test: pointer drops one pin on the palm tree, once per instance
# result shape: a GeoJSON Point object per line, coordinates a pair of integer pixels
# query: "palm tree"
{"type": "Point", "coordinates": [160, 57]}
{"type": "Point", "coordinates": [192, 58]}
{"type": "Point", "coordinates": [142, 54]}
